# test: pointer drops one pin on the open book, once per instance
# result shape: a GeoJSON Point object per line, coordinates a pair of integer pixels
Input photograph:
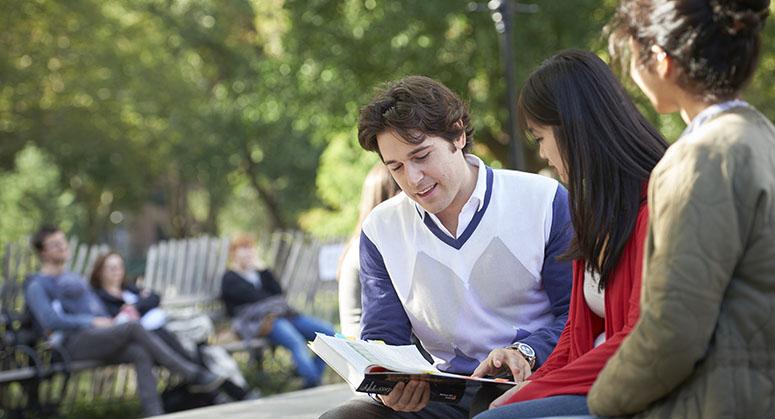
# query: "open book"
{"type": "Point", "coordinates": [371, 367]}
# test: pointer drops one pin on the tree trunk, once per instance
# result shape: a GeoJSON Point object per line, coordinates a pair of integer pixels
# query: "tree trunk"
{"type": "Point", "coordinates": [270, 203]}
{"type": "Point", "coordinates": [213, 210]}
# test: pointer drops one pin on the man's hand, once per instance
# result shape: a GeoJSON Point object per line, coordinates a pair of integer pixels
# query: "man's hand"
{"type": "Point", "coordinates": [504, 360]}
{"type": "Point", "coordinates": [408, 397]}
{"type": "Point", "coordinates": [102, 322]}
{"type": "Point", "coordinates": [500, 401]}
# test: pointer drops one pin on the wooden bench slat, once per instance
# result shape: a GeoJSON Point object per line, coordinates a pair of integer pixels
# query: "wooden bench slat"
{"type": "Point", "coordinates": [241, 345]}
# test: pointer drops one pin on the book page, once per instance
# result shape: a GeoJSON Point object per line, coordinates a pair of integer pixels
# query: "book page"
{"type": "Point", "coordinates": [469, 378]}
{"type": "Point", "coordinates": [364, 354]}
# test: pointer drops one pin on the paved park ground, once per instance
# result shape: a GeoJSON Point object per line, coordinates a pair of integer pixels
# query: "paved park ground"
{"type": "Point", "coordinates": [304, 404]}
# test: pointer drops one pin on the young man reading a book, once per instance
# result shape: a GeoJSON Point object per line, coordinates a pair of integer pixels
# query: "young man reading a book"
{"type": "Point", "coordinates": [465, 258]}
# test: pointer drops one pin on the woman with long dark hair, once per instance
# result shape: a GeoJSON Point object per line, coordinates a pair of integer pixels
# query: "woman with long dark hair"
{"type": "Point", "coordinates": [126, 302]}
{"type": "Point", "coordinates": [603, 149]}
{"type": "Point", "coordinates": [703, 347]}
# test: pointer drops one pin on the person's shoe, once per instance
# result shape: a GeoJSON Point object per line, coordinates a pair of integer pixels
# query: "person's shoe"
{"type": "Point", "coordinates": [221, 398]}
{"type": "Point", "coordinates": [205, 382]}
{"type": "Point", "coordinates": [253, 394]}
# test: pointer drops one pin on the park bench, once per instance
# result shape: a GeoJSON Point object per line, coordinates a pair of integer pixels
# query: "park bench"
{"type": "Point", "coordinates": [187, 274]}
{"type": "Point", "coordinates": [34, 376]}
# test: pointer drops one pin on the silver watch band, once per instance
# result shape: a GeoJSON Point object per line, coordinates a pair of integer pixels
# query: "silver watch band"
{"type": "Point", "coordinates": [526, 351]}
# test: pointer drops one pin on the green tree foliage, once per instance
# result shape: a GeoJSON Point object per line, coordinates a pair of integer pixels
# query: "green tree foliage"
{"type": "Point", "coordinates": [31, 192]}
{"type": "Point", "coordinates": [141, 100]}
{"type": "Point", "coordinates": [350, 47]}
{"type": "Point", "coordinates": [241, 115]}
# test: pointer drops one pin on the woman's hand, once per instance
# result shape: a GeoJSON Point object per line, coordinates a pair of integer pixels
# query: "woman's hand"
{"type": "Point", "coordinates": [504, 398]}
{"type": "Point", "coordinates": [130, 312]}
{"type": "Point", "coordinates": [266, 324]}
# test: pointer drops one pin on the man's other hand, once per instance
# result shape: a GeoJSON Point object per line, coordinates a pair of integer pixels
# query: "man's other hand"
{"type": "Point", "coordinates": [504, 360]}
{"type": "Point", "coordinates": [408, 397]}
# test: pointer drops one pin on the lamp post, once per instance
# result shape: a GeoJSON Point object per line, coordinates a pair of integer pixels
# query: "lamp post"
{"type": "Point", "coordinates": [501, 12]}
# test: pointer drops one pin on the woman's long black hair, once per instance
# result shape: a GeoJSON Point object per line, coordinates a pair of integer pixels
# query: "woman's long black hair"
{"type": "Point", "coordinates": [607, 147]}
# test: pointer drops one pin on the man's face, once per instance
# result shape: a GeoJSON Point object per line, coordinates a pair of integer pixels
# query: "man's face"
{"type": "Point", "coordinates": [55, 248]}
{"type": "Point", "coordinates": [432, 173]}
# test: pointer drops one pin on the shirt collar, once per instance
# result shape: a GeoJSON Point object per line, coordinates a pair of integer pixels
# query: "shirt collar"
{"type": "Point", "coordinates": [712, 111]}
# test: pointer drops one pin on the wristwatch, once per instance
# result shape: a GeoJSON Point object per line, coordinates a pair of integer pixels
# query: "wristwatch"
{"type": "Point", "coordinates": [526, 351]}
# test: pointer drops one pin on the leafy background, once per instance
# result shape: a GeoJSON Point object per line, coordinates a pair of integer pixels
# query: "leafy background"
{"type": "Point", "coordinates": [184, 117]}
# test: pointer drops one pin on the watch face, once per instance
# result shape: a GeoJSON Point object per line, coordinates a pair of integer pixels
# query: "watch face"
{"type": "Point", "coordinates": [526, 349]}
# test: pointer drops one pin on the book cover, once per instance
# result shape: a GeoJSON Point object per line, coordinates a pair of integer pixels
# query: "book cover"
{"type": "Point", "coordinates": [371, 367]}
{"type": "Point", "coordinates": [443, 389]}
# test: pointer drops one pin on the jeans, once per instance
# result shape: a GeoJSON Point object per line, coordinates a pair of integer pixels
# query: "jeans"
{"type": "Point", "coordinates": [540, 408]}
{"type": "Point", "coordinates": [293, 333]}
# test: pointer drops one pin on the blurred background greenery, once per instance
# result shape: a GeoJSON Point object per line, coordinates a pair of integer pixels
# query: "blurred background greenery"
{"type": "Point", "coordinates": [130, 121]}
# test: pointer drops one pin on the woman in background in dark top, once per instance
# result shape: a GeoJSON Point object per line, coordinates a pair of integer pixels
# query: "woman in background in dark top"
{"type": "Point", "coordinates": [126, 302]}
{"type": "Point", "coordinates": [255, 301]}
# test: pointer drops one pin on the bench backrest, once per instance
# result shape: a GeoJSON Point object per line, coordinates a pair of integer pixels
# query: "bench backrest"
{"type": "Point", "coordinates": [186, 269]}
{"type": "Point", "coordinates": [187, 273]}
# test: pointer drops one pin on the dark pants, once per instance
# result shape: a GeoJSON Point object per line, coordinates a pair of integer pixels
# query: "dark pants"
{"type": "Point", "coordinates": [230, 388]}
{"type": "Point", "coordinates": [367, 408]}
{"type": "Point", "coordinates": [172, 341]}
{"type": "Point", "coordinates": [130, 343]}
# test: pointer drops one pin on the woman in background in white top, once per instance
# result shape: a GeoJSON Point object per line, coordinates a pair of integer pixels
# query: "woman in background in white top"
{"type": "Point", "coordinates": [377, 187]}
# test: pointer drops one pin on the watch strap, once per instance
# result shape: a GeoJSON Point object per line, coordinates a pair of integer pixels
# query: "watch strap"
{"type": "Point", "coordinates": [525, 350]}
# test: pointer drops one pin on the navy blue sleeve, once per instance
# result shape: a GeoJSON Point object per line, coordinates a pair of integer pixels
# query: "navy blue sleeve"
{"type": "Point", "coordinates": [269, 283]}
{"type": "Point", "coordinates": [383, 315]}
{"type": "Point", "coordinates": [235, 290]}
{"type": "Point", "coordinates": [49, 319]}
{"type": "Point", "coordinates": [556, 277]}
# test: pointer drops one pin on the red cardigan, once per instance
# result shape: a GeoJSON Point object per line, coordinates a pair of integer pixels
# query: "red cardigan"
{"type": "Point", "coordinates": [574, 364]}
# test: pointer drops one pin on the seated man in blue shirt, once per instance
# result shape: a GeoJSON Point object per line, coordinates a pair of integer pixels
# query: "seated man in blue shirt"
{"type": "Point", "coordinates": [465, 257]}
{"type": "Point", "coordinates": [66, 309]}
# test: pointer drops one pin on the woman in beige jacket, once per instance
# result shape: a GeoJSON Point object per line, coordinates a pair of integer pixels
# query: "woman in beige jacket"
{"type": "Point", "coordinates": [705, 343]}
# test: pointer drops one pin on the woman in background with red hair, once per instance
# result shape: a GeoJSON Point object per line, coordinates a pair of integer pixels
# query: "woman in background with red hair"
{"type": "Point", "coordinates": [255, 300]}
